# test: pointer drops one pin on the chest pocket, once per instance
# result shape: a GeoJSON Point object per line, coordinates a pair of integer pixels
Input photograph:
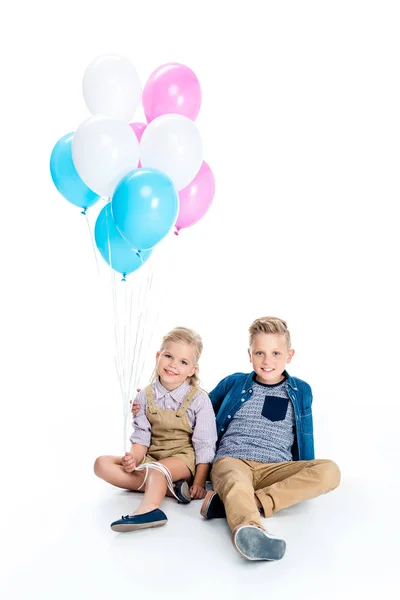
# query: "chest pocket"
{"type": "Point", "coordinates": [274, 408]}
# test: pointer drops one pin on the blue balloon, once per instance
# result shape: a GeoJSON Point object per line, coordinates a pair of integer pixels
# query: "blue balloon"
{"type": "Point", "coordinates": [113, 248]}
{"type": "Point", "coordinates": [145, 207]}
{"type": "Point", "coordinates": [65, 176]}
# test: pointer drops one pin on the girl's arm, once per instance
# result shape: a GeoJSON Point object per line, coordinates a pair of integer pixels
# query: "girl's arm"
{"type": "Point", "coordinates": [204, 439]}
{"type": "Point", "coordinates": [138, 451]}
{"type": "Point", "coordinates": [134, 457]}
{"type": "Point", "coordinates": [198, 489]}
{"type": "Point", "coordinates": [141, 433]}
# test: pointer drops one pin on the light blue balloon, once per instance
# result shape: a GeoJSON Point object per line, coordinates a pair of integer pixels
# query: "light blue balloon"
{"type": "Point", "coordinates": [113, 248]}
{"type": "Point", "coordinates": [65, 176]}
{"type": "Point", "coordinates": [145, 207]}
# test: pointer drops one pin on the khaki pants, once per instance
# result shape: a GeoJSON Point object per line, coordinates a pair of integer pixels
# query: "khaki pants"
{"type": "Point", "coordinates": [276, 485]}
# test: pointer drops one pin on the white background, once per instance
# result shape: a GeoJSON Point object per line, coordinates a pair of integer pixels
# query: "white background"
{"type": "Point", "coordinates": [301, 126]}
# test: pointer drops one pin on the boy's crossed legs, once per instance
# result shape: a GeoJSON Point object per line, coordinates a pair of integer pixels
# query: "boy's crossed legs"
{"type": "Point", "coordinates": [240, 483]}
{"type": "Point", "coordinates": [245, 486]}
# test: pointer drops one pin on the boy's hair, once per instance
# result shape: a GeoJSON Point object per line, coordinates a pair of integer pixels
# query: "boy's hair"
{"type": "Point", "coordinates": [269, 325]}
{"type": "Point", "coordinates": [183, 335]}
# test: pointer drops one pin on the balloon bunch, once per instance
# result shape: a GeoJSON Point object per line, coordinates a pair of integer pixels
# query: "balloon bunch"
{"type": "Point", "coordinates": [152, 174]}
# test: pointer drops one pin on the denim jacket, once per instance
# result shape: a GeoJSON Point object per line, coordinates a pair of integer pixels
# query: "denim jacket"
{"type": "Point", "coordinates": [227, 397]}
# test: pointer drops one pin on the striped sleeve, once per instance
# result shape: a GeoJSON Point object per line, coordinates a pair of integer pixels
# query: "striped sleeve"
{"type": "Point", "coordinates": [141, 433]}
{"type": "Point", "coordinates": [204, 436]}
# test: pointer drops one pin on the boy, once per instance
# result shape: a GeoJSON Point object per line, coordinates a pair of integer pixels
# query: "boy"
{"type": "Point", "coordinates": [265, 457]}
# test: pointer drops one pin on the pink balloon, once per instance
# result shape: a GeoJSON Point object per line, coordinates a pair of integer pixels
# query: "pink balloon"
{"type": "Point", "coordinates": [172, 88]}
{"type": "Point", "coordinates": [138, 129]}
{"type": "Point", "coordinates": [196, 198]}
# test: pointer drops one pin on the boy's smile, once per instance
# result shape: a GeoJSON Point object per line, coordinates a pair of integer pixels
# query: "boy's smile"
{"type": "Point", "coordinates": [269, 355]}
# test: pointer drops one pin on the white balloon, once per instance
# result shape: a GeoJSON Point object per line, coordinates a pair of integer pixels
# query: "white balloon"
{"type": "Point", "coordinates": [103, 151]}
{"type": "Point", "coordinates": [172, 144]}
{"type": "Point", "coordinates": [111, 86]}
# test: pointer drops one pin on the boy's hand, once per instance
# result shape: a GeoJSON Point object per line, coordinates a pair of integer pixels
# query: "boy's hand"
{"type": "Point", "coordinates": [197, 492]}
{"type": "Point", "coordinates": [128, 462]}
{"type": "Point", "coordinates": [135, 408]}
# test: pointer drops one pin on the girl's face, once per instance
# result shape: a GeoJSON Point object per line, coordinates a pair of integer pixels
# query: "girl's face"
{"type": "Point", "coordinates": [175, 364]}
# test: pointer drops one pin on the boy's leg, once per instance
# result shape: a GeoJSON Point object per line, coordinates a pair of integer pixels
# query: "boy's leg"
{"type": "Point", "coordinates": [232, 479]}
{"type": "Point", "coordinates": [111, 470]}
{"type": "Point", "coordinates": [280, 485]}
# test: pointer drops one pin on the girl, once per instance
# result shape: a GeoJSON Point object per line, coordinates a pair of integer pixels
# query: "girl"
{"type": "Point", "coordinates": [173, 439]}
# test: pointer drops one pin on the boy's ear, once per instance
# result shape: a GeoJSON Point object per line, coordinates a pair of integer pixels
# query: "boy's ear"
{"type": "Point", "coordinates": [290, 356]}
{"type": "Point", "coordinates": [249, 351]}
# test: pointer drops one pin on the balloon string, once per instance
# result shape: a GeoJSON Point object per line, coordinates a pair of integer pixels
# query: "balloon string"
{"type": "Point", "coordinates": [92, 241]}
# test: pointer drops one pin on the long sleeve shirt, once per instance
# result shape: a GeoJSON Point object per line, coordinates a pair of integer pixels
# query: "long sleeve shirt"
{"type": "Point", "coordinates": [200, 414]}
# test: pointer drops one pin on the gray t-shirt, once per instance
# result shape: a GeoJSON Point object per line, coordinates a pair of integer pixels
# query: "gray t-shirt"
{"type": "Point", "coordinates": [263, 428]}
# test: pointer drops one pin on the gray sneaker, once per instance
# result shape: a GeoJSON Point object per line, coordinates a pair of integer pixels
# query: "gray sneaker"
{"type": "Point", "coordinates": [256, 544]}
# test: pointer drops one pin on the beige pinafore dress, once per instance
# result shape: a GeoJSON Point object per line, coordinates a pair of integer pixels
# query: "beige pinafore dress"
{"type": "Point", "coordinates": [171, 433]}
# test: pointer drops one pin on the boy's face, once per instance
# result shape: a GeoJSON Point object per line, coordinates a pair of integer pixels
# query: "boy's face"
{"type": "Point", "coordinates": [269, 355]}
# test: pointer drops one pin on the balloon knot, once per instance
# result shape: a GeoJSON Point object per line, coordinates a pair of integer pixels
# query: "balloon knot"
{"type": "Point", "coordinates": [83, 212]}
{"type": "Point", "coordinates": [123, 277]}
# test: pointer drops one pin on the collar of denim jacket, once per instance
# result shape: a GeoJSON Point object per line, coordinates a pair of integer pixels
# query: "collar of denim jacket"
{"type": "Point", "coordinates": [248, 384]}
{"type": "Point", "coordinates": [291, 382]}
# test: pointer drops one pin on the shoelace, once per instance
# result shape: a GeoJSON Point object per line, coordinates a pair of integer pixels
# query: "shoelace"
{"type": "Point", "coordinates": [158, 467]}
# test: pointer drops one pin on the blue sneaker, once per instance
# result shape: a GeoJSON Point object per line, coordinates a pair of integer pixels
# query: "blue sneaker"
{"type": "Point", "coordinates": [212, 507]}
{"type": "Point", "coordinates": [154, 518]}
{"type": "Point", "coordinates": [181, 489]}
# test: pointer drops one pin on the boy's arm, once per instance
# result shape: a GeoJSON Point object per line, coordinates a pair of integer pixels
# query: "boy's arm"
{"type": "Point", "coordinates": [310, 454]}
{"type": "Point", "coordinates": [218, 394]}
{"type": "Point", "coordinates": [312, 450]}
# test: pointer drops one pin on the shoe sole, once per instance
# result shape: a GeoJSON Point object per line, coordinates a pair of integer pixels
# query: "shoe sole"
{"type": "Point", "coordinates": [206, 504]}
{"type": "Point", "coordinates": [258, 546]}
{"type": "Point", "coordinates": [122, 528]}
{"type": "Point", "coordinates": [185, 493]}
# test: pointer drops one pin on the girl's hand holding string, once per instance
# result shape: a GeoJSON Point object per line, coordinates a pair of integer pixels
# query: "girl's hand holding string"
{"type": "Point", "coordinates": [128, 462]}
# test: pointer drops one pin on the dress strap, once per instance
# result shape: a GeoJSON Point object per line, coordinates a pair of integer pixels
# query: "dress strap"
{"type": "Point", "coordinates": [187, 401]}
{"type": "Point", "coordinates": [151, 400]}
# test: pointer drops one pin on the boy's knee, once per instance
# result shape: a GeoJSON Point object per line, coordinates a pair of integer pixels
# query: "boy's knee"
{"type": "Point", "coordinates": [330, 475]}
{"type": "Point", "coordinates": [232, 482]}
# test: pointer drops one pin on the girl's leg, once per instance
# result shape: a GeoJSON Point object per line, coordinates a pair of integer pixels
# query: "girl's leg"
{"type": "Point", "coordinates": [156, 484]}
{"type": "Point", "coordinates": [111, 470]}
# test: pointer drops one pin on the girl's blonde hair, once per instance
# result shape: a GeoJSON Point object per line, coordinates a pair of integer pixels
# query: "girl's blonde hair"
{"type": "Point", "coordinates": [183, 335]}
{"type": "Point", "coordinates": [269, 325]}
